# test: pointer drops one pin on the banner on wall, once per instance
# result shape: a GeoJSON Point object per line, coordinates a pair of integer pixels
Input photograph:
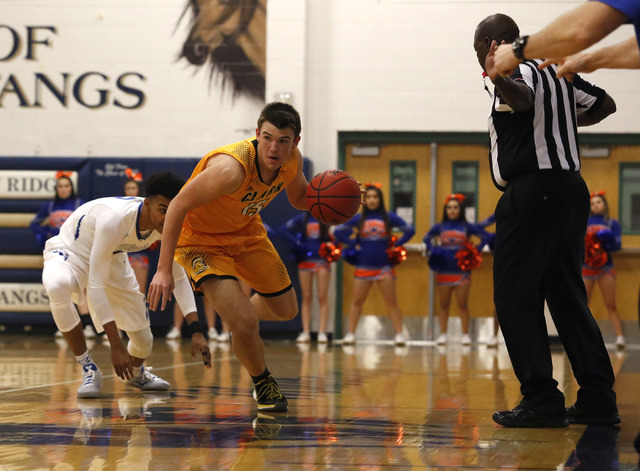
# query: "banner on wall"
{"type": "Point", "coordinates": [31, 184]}
{"type": "Point", "coordinates": [23, 297]}
{"type": "Point", "coordinates": [129, 79]}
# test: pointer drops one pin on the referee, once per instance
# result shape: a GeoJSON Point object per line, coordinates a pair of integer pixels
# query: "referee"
{"type": "Point", "coordinates": [541, 220]}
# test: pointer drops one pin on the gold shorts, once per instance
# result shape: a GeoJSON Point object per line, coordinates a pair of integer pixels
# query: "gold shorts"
{"type": "Point", "coordinates": [247, 255]}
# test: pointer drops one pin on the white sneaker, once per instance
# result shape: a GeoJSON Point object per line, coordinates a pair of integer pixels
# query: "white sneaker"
{"type": "Point", "coordinates": [349, 339]}
{"type": "Point", "coordinates": [147, 381]}
{"type": "Point", "coordinates": [322, 338]}
{"type": "Point", "coordinates": [492, 342]}
{"type": "Point", "coordinates": [442, 339]}
{"type": "Point", "coordinates": [223, 337]}
{"type": "Point", "coordinates": [88, 332]}
{"type": "Point", "coordinates": [213, 333]}
{"type": "Point", "coordinates": [620, 342]}
{"type": "Point", "coordinates": [304, 337]}
{"type": "Point", "coordinates": [400, 339]}
{"type": "Point", "coordinates": [91, 382]}
{"type": "Point", "coordinates": [466, 340]}
{"type": "Point", "coordinates": [174, 333]}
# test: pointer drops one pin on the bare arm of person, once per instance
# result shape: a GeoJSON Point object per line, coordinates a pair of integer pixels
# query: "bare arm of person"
{"type": "Point", "coordinates": [624, 55]}
{"type": "Point", "coordinates": [570, 33]}
{"type": "Point", "coordinates": [296, 190]}
{"type": "Point", "coordinates": [223, 176]}
{"type": "Point", "coordinates": [516, 94]}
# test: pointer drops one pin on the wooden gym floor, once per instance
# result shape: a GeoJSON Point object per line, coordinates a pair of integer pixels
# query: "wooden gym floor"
{"type": "Point", "coordinates": [369, 407]}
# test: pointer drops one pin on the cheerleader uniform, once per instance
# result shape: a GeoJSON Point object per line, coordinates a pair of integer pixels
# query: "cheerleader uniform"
{"type": "Point", "coordinates": [453, 236]}
{"type": "Point", "coordinates": [597, 223]}
{"type": "Point", "coordinates": [371, 261]}
{"type": "Point", "coordinates": [303, 231]}
{"type": "Point", "coordinates": [57, 211]}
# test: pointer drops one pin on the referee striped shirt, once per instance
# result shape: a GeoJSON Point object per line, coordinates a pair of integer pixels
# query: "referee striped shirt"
{"type": "Point", "coordinates": [544, 137]}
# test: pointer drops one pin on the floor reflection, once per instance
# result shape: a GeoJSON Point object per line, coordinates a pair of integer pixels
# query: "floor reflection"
{"type": "Point", "coordinates": [362, 407]}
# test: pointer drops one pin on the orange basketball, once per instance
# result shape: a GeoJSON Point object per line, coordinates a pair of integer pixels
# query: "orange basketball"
{"type": "Point", "coordinates": [333, 197]}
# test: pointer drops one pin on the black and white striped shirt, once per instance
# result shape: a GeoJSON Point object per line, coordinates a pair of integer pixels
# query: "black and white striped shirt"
{"type": "Point", "coordinates": [544, 137]}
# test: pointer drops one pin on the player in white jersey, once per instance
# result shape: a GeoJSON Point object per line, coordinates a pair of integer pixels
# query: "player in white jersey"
{"type": "Point", "coordinates": [90, 255]}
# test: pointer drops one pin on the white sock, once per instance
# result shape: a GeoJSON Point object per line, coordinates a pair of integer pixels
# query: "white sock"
{"type": "Point", "coordinates": [86, 360]}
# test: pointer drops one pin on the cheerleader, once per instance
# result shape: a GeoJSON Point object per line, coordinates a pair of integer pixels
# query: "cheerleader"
{"type": "Point", "coordinates": [453, 234]}
{"type": "Point", "coordinates": [52, 214]}
{"type": "Point", "coordinates": [598, 266]}
{"type": "Point", "coordinates": [307, 236]}
{"type": "Point", "coordinates": [368, 251]}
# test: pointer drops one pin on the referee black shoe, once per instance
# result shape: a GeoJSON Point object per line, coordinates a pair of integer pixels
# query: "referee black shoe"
{"type": "Point", "coordinates": [523, 417]}
{"type": "Point", "coordinates": [270, 399]}
{"type": "Point", "coordinates": [580, 415]}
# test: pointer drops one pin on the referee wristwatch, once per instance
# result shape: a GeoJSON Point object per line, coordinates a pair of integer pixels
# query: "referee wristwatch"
{"type": "Point", "coordinates": [518, 47]}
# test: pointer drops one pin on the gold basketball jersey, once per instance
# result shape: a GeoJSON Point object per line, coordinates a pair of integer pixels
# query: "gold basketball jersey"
{"type": "Point", "coordinates": [231, 213]}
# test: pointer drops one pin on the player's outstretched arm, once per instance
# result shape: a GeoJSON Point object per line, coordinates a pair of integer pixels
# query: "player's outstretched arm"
{"type": "Point", "coordinates": [296, 190]}
{"type": "Point", "coordinates": [223, 176]}
{"type": "Point", "coordinates": [624, 55]}
{"type": "Point", "coordinates": [570, 33]}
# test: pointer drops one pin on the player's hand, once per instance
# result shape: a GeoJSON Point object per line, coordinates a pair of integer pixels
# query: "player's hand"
{"type": "Point", "coordinates": [160, 290]}
{"type": "Point", "coordinates": [199, 344]}
{"type": "Point", "coordinates": [122, 362]}
{"type": "Point", "coordinates": [504, 61]}
{"type": "Point", "coordinates": [568, 67]}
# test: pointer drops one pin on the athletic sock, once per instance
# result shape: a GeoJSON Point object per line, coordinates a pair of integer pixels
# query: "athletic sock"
{"type": "Point", "coordinates": [262, 377]}
{"type": "Point", "coordinates": [85, 359]}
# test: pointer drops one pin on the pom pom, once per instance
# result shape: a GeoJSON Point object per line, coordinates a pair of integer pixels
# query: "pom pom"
{"type": "Point", "coordinates": [594, 254]}
{"type": "Point", "coordinates": [607, 239]}
{"type": "Point", "coordinates": [330, 252]}
{"type": "Point", "coordinates": [396, 254]}
{"type": "Point", "coordinates": [468, 257]}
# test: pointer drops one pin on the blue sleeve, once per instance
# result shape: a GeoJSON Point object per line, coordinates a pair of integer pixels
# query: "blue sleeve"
{"type": "Point", "coordinates": [344, 231]}
{"type": "Point", "coordinates": [36, 223]}
{"type": "Point", "coordinates": [433, 232]}
{"type": "Point", "coordinates": [406, 228]}
{"type": "Point", "coordinates": [477, 230]}
{"type": "Point", "coordinates": [630, 8]}
{"type": "Point", "coordinates": [488, 222]}
{"type": "Point", "coordinates": [292, 229]}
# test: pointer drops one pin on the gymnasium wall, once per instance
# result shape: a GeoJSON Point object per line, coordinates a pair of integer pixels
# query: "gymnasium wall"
{"type": "Point", "coordinates": [347, 65]}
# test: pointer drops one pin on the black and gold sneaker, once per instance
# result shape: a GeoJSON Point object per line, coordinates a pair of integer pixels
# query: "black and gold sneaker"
{"type": "Point", "coordinates": [266, 427]}
{"type": "Point", "coordinates": [270, 399]}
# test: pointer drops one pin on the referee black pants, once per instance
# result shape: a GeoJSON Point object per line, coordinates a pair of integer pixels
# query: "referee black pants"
{"type": "Point", "coordinates": [541, 221]}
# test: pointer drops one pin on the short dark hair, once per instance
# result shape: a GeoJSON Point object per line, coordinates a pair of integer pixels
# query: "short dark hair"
{"type": "Point", "coordinates": [163, 183]}
{"type": "Point", "coordinates": [499, 27]}
{"type": "Point", "coordinates": [282, 116]}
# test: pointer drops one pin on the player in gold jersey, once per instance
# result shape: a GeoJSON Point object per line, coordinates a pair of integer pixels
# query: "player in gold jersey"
{"type": "Point", "coordinates": [214, 230]}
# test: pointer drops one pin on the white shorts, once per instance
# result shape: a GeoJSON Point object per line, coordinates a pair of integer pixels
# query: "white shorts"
{"type": "Point", "coordinates": [127, 302]}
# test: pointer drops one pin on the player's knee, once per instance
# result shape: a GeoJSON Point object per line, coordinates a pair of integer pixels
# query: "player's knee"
{"type": "Point", "coordinates": [140, 343]}
{"type": "Point", "coordinates": [58, 290]}
{"type": "Point", "coordinates": [244, 326]}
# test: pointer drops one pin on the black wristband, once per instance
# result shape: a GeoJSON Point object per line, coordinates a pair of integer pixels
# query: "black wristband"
{"type": "Point", "coordinates": [518, 47]}
{"type": "Point", "coordinates": [196, 328]}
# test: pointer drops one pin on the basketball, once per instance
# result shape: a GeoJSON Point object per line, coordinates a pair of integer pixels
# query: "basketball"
{"type": "Point", "coordinates": [333, 197]}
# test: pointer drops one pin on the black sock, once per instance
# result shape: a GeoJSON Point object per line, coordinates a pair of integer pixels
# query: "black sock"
{"type": "Point", "coordinates": [263, 376]}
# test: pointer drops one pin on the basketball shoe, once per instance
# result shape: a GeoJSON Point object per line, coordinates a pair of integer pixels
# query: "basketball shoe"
{"type": "Point", "coordinates": [147, 381]}
{"type": "Point", "coordinates": [270, 399]}
{"type": "Point", "coordinates": [91, 382]}
{"type": "Point", "coordinates": [91, 418]}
